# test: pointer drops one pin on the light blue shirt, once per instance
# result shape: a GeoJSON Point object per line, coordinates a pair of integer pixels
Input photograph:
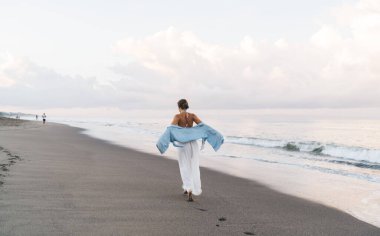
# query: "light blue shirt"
{"type": "Point", "coordinates": [175, 133]}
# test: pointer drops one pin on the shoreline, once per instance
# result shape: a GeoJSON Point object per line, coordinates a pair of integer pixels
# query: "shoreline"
{"type": "Point", "coordinates": [354, 196]}
{"type": "Point", "coordinates": [68, 182]}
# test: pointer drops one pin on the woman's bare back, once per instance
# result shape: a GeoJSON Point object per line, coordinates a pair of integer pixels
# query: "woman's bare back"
{"type": "Point", "coordinates": [185, 119]}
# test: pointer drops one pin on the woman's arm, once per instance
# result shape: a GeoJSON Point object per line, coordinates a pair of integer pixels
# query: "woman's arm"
{"type": "Point", "coordinates": [175, 120]}
{"type": "Point", "coordinates": [196, 119]}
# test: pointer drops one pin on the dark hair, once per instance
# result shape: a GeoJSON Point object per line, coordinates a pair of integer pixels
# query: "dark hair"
{"type": "Point", "coordinates": [183, 104]}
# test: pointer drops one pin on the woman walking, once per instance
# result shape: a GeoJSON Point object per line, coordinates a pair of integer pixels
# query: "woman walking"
{"type": "Point", "coordinates": [188, 155]}
{"type": "Point", "coordinates": [184, 136]}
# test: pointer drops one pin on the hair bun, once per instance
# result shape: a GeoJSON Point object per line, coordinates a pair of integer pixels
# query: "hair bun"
{"type": "Point", "coordinates": [183, 104]}
{"type": "Point", "coordinates": [186, 106]}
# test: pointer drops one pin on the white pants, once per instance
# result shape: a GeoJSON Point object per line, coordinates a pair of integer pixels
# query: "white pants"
{"type": "Point", "coordinates": [188, 160]}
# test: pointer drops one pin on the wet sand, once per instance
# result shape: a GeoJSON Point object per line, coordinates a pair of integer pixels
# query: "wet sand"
{"type": "Point", "coordinates": [62, 182]}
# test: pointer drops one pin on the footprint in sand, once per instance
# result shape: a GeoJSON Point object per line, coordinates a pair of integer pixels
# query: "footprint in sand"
{"type": "Point", "coordinates": [224, 219]}
{"type": "Point", "coordinates": [201, 209]}
{"type": "Point", "coordinates": [12, 159]}
{"type": "Point", "coordinates": [249, 233]}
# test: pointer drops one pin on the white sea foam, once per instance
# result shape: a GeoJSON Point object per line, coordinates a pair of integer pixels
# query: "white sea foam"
{"type": "Point", "coordinates": [333, 150]}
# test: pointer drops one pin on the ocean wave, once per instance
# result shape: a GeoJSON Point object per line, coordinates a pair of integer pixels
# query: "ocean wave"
{"type": "Point", "coordinates": [363, 176]}
{"type": "Point", "coordinates": [314, 147]}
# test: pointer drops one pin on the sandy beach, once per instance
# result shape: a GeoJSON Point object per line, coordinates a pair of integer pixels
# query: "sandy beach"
{"type": "Point", "coordinates": [56, 181]}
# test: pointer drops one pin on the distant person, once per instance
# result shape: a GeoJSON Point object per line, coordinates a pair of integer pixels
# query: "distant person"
{"type": "Point", "coordinates": [36, 117]}
{"type": "Point", "coordinates": [43, 118]}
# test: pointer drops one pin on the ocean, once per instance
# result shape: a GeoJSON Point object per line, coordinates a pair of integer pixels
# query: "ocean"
{"type": "Point", "coordinates": [328, 158]}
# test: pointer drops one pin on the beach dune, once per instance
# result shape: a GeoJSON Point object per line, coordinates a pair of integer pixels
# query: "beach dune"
{"type": "Point", "coordinates": [67, 183]}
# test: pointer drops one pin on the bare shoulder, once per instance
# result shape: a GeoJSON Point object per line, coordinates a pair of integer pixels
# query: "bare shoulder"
{"type": "Point", "coordinates": [193, 115]}
{"type": "Point", "coordinates": [175, 119]}
{"type": "Point", "coordinates": [196, 118]}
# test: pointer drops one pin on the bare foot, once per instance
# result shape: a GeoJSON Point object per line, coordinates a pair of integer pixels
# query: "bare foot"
{"type": "Point", "coordinates": [190, 199]}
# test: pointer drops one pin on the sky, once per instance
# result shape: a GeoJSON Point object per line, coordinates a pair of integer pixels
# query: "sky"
{"type": "Point", "coordinates": [237, 54]}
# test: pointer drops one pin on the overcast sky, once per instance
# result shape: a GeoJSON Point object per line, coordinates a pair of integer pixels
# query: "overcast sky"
{"type": "Point", "coordinates": [218, 54]}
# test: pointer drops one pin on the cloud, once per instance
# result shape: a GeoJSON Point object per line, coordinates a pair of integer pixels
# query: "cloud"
{"type": "Point", "coordinates": [23, 83]}
{"type": "Point", "coordinates": [337, 67]}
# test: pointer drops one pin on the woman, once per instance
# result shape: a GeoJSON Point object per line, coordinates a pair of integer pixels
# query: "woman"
{"type": "Point", "coordinates": [188, 155]}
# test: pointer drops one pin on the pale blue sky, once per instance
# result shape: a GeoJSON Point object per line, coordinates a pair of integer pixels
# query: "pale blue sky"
{"type": "Point", "coordinates": [75, 36]}
{"type": "Point", "coordinates": [247, 54]}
